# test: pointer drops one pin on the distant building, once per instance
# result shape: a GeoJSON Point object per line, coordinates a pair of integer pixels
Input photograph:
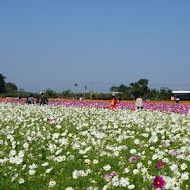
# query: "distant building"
{"type": "Point", "coordinates": [115, 93]}
{"type": "Point", "coordinates": [181, 94]}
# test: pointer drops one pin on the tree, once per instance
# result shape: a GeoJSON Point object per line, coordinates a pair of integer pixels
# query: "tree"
{"type": "Point", "coordinates": [2, 83]}
{"type": "Point", "coordinates": [50, 93]}
{"type": "Point", "coordinates": [140, 87]}
{"type": "Point", "coordinates": [165, 93]}
{"type": "Point", "coordinates": [21, 90]}
{"type": "Point", "coordinates": [11, 87]}
{"type": "Point", "coordinates": [113, 89]}
{"type": "Point", "coordinates": [153, 94]}
{"type": "Point", "coordinates": [66, 93]}
{"type": "Point", "coordinates": [122, 88]}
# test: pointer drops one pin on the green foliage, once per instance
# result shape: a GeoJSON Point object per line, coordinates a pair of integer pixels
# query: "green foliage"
{"type": "Point", "coordinates": [66, 94]}
{"type": "Point", "coordinates": [50, 93]}
{"type": "Point", "coordinates": [2, 83]}
{"type": "Point", "coordinates": [11, 87]}
{"type": "Point", "coordinates": [141, 88]}
{"type": "Point", "coordinates": [125, 92]}
{"type": "Point", "coordinates": [83, 145]}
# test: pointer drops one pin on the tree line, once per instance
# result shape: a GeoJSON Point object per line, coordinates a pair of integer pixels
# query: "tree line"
{"type": "Point", "coordinates": [140, 88]}
{"type": "Point", "coordinates": [122, 91]}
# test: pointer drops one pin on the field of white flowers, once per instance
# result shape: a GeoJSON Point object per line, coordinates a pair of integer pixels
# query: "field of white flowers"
{"type": "Point", "coordinates": [73, 148]}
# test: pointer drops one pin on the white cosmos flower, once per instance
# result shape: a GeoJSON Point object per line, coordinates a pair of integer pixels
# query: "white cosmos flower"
{"type": "Point", "coordinates": [21, 181]}
{"type": "Point", "coordinates": [135, 171]}
{"type": "Point", "coordinates": [183, 166]}
{"type": "Point", "coordinates": [55, 136]}
{"type": "Point", "coordinates": [185, 176]}
{"type": "Point", "coordinates": [75, 174]}
{"type": "Point", "coordinates": [126, 170]}
{"type": "Point", "coordinates": [32, 171]}
{"type": "Point", "coordinates": [107, 167]}
{"type": "Point", "coordinates": [12, 152]}
{"type": "Point", "coordinates": [87, 161]}
{"type": "Point", "coordinates": [52, 183]}
{"type": "Point", "coordinates": [173, 167]}
{"type": "Point", "coordinates": [137, 141]}
{"type": "Point", "coordinates": [21, 154]}
{"type": "Point", "coordinates": [149, 162]}
{"type": "Point", "coordinates": [95, 161]}
{"type": "Point", "coordinates": [45, 164]}
{"type": "Point", "coordinates": [33, 166]}
{"type": "Point", "coordinates": [115, 181]}
{"type": "Point", "coordinates": [116, 153]}
{"type": "Point", "coordinates": [58, 126]}
{"type": "Point", "coordinates": [69, 188]}
{"type": "Point", "coordinates": [124, 181]}
{"type": "Point", "coordinates": [154, 157]}
{"type": "Point", "coordinates": [18, 160]}
{"type": "Point", "coordinates": [133, 151]}
{"type": "Point", "coordinates": [48, 170]}
{"type": "Point", "coordinates": [153, 139]}
{"type": "Point", "coordinates": [131, 186]}
{"type": "Point", "coordinates": [60, 158]}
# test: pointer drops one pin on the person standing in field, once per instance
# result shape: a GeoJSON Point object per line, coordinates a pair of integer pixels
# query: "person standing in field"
{"type": "Point", "coordinates": [30, 100]}
{"type": "Point", "coordinates": [139, 103]}
{"type": "Point", "coordinates": [43, 100]}
{"type": "Point", "coordinates": [113, 103]}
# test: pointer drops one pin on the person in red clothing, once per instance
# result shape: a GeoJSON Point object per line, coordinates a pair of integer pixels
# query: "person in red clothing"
{"type": "Point", "coordinates": [113, 102]}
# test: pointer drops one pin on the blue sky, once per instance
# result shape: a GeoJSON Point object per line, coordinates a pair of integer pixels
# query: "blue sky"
{"type": "Point", "coordinates": [55, 44]}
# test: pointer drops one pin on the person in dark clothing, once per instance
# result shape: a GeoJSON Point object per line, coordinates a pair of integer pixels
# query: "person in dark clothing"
{"type": "Point", "coordinates": [43, 100]}
{"type": "Point", "coordinates": [20, 97]}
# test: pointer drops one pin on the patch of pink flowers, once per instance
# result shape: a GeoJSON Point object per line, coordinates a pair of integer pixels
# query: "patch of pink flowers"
{"type": "Point", "coordinates": [174, 153]}
{"type": "Point", "coordinates": [160, 106]}
{"type": "Point", "coordinates": [110, 175]}
{"type": "Point", "coordinates": [159, 182]}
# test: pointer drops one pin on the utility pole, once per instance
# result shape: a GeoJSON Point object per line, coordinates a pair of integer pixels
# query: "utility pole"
{"type": "Point", "coordinates": [91, 90]}
{"type": "Point", "coordinates": [85, 88]}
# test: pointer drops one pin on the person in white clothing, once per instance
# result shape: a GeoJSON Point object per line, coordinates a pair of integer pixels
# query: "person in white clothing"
{"type": "Point", "coordinates": [139, 103]}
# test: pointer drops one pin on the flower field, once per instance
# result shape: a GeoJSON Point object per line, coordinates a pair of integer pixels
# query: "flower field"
{"type": "Point", "coordinates": [82, 145]}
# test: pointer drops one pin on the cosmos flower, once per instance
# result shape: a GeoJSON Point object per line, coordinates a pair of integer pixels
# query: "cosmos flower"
{"type": "Point", "coordinates": [133, 159]}
{"type": "Point", "coordinates": [159, 164]}
{"type": "Point", "coordinates": [158, 182]}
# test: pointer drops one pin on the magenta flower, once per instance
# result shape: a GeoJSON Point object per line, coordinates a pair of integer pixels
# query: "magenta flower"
{"type": "Point", "coordinates": [159, 182]}
{"type": "Point", "coordinates": [160, 164]}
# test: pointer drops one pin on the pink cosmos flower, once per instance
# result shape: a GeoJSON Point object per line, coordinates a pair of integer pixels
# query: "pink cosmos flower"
{"type": "Point", "coordinates": [109, 175]}
{"type": "Point", "coordinates": [159, 182]}
{"type": "Point", "coordinates": [173, 153]}
{"type": "Point", "coordinates": [113, 173]}
{"type": "Point", "coordinates": [106, 177]}
{"type": "Point", "coordinates": [160, 164]}
{"type": "Point", "coordinates": [133, 159]}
